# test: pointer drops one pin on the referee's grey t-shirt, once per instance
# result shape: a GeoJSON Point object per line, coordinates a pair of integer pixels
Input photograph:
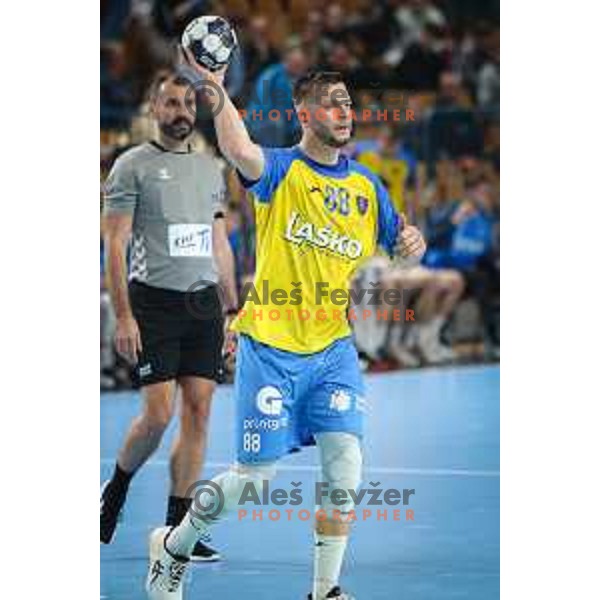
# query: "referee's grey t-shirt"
{"type": "Point", "coordinates": [173, 198]}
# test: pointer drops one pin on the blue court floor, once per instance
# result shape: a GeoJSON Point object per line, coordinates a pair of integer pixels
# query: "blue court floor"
{"type": "Point", "coordinates": [436, 431]}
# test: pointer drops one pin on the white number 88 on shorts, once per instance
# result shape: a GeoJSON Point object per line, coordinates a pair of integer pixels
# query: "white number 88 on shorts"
{"type": "Point", "coordinates": [252, 442]}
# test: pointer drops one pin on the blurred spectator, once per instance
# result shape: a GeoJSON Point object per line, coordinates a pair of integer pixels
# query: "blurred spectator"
{"type": "Point", "coordinates": [171, 16]}
{"type": "Point", "coordinates": [421, 63]}
{"type": "Point", "coordinates": [384, 152]}
{"type": "Point", "coordinates": [376, 28]}
{"type": "Point", "coordinates": [259, 53]}
{"type": "Point", "coordinates": [312, 34]}
{"type": "Point", "coordinates": [415, 16]}
{"type": "Point", "coordinates": [117, 94]}
{"type": "Point", "coordinates": [488, 81]}
{"type": "Point", "coordinates": [334, 27]}
{"type": "Point", "coordinates": [113, 14]}
{"type": "Point", "coordinates": [451, 129]}
{"type": "Point", "coordinates": [273, 91]}
{"type": "Point", "coordinates": [341, 59]}
{"type": "Point", "coordinates": [433, 295]}
{"type": "Point", "coordinates": [147, 50]}
{"type": "Point", "coordinates": [491, 150]}
{"type": "Point", "coordinates": [478, 58]}
{"type": "Point", "coordinates": [450, 91]}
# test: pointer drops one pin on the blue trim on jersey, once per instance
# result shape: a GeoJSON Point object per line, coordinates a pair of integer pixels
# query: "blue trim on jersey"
{"type": "Point", "coordinates": [340, 170]}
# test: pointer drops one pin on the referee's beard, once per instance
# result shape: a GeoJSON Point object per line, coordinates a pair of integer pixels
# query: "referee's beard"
{"type": "Point", "coordinates": [178, 129]}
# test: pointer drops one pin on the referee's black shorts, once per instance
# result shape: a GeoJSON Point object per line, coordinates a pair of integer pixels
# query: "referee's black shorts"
{"type": "Point", "coordinates": [182, 333]}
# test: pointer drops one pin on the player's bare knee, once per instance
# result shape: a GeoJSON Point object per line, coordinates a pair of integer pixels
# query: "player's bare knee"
{"type": "Point", "coordinates": [458, 283]}
{"type": "Point", "coordinates": [450, 281]}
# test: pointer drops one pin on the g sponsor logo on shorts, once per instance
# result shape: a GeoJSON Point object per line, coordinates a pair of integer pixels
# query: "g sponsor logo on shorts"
{"type": "Point", "coordinates": [269, 401]}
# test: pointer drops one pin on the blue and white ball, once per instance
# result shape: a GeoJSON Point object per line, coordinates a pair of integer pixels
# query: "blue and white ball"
{"type": "Point", "coordinates": [212, 41]}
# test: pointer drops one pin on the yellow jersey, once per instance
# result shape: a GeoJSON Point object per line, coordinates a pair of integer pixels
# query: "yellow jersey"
{"type": "Point", "coordinates": [315, 225]}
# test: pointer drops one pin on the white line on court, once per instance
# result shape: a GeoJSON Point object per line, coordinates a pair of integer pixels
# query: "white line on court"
{"type": "Point", "coordinates": [374, 470]}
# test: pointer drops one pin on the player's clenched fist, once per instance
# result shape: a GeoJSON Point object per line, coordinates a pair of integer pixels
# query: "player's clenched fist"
{"type": "Point", "coordinates": [410, 246]}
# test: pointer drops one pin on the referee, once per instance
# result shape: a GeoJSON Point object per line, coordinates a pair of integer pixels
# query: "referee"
{"type": "Point", "coordinates": [167, 200]}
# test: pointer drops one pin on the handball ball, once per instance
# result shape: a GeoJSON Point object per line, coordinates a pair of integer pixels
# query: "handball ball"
{"type": "Point", "coordinates": [211, 40]}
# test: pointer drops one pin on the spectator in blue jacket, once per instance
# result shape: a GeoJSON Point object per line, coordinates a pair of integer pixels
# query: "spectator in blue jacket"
{"type": "Point", "coordinates": [273, 91]}
{"type": "Point", "coordinates": [462, 235]}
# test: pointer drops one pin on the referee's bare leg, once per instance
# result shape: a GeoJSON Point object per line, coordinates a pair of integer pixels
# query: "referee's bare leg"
{"type": "Point", "coordinates": [141, 441]}
{"type": "Point", "coordinates": [147, 429]}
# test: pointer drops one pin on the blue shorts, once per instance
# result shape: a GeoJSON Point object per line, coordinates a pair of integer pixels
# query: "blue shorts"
{"type": "Point", "coordinates": [283, 398]}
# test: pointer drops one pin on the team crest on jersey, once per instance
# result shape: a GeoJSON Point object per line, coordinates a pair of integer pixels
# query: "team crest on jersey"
{"type": "Point", "coordinates": [362, 204]}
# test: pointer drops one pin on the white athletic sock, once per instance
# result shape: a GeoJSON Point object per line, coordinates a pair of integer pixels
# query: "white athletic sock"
{"type": "Point", "coordinates": [183, 538]}
{"type": "Point", "coordinates": [329, 554]}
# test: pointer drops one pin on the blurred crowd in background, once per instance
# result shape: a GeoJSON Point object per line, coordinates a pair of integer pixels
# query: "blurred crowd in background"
{"type": "Point", "coordinates": [439, 60]}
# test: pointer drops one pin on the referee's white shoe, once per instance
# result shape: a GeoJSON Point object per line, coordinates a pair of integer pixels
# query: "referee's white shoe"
{"type": "Point", "coordinates": [166, 571]}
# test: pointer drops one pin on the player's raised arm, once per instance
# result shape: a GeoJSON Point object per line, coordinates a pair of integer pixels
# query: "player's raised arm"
{"type": "Point", "coordinates": [232, 135]}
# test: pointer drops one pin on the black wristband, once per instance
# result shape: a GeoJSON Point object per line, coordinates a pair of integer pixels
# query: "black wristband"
{"type": "Point", "coordinates": [230, 312]}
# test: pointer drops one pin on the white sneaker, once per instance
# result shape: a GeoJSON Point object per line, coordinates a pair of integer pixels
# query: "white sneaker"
{"type": "Point", "coordinates": [446, 353]}
{"type": "Point", "coordinates": [165, 575]}
{"type": "Point", "coordinates": [436, 353]}
{"type": "Point", "coordinates": [428, 342]}
{"type": "Point", "coordinates": [403, 355]}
